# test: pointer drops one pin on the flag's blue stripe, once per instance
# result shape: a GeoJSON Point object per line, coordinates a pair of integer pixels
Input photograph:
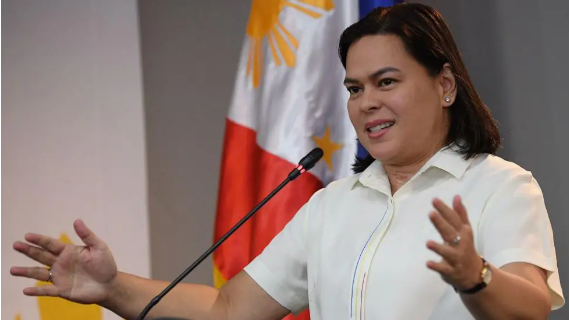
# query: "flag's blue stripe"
{"type": "Point", "coordinates": [365, 6]}
{"type": "Point", "coordinates": [361, 152]}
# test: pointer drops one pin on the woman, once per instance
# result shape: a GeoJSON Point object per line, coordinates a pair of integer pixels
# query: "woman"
{"type": "Point", "coordinates": [432, 225]}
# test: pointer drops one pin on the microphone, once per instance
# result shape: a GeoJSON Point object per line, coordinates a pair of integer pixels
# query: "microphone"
{"type": "Point", "coordinates": [306, 163]}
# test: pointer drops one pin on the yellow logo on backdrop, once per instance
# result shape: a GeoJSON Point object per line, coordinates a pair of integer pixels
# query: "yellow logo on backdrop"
{"type": "Point", "coordinates": [264, 22]}
{"type": "Point", "coordinates": [52, 308]}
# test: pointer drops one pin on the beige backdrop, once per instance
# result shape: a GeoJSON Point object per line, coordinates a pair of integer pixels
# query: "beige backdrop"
{"type": "Point", "coordinates": [73, 134]}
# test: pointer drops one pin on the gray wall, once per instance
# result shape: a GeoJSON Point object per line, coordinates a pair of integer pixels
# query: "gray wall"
{"type": "Point", "coordinates": [190, 52]}
{"type": "Point", "coordinates": [517, 55]}
{"type": "Point", "coordinates": [516, 52]}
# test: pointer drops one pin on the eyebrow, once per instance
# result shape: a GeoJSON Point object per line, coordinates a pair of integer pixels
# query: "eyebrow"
{"type": "Point", "coordinates": [376, 74]}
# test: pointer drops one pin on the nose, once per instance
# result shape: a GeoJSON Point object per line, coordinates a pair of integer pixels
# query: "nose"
{"type": "Point", "coordinates": [369, 100]}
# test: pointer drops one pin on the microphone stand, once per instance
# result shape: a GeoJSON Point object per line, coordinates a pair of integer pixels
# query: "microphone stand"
{"type": "Point", "coordinates": [305, 164]}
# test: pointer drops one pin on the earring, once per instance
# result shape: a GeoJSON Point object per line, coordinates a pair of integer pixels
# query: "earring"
{"type": "Point", "coordinates": [447, 99]}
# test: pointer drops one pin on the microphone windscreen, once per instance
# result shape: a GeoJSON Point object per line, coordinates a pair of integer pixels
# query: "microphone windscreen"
{"type": "Point", "coordinates": [311, 158]}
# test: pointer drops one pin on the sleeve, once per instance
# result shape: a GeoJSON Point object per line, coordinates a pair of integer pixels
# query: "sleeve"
{"type": "Point", "coordinates": [281, 269]}
{"type": "Point", "coordinates": [515, 227]}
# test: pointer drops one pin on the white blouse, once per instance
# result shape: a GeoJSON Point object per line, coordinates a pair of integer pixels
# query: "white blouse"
{"type": "Point", "coordinates": [356, 251]}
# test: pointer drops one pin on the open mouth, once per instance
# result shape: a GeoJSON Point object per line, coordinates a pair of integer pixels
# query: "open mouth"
{"type": "Point", "coordinates": [381, 126]}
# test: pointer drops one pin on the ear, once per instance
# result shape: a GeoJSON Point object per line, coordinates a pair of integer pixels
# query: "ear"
{"type": "Point", "coordinates": [448, 88]}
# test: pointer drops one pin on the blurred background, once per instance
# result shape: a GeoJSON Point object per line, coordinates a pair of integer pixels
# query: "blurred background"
{"type": "Point", "coordinates": [115, 111]}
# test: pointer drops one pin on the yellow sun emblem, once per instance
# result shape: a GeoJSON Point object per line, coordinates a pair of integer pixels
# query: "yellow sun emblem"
{"type": "Point", "coordinates": [51, 308]}
{"type": "Point", "coordinates": [264, 22]}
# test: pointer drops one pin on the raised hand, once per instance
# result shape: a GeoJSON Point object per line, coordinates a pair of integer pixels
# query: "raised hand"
{"type": "Point", "coordinates": [81, 274]}
{"type": "Point", "coordinates": [461, 265]}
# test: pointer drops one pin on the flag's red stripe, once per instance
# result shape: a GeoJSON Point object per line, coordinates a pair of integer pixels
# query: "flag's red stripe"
{"type": "Point", "coordinates": [248, 174]}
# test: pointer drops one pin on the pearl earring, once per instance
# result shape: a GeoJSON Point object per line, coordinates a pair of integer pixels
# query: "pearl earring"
{"type": "Point", "coordinates": [447, 99]}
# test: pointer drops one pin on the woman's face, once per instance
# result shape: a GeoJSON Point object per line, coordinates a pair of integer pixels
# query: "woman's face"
{"type": "Point", "coordinates": [397, 109]}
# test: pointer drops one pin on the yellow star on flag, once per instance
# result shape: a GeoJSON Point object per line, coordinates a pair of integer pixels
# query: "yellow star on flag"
{"type": "Point", "coordinates": [328, 146]}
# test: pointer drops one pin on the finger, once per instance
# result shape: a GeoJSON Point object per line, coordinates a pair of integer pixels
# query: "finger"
{"type": "Point", "coordinates": [37, 273]}
{"type": "Point", "coordinates": [86, 235]}
{"type": "Point", "coordinates": [448, 214]}
{"type": "Point", "coordinates": [50, 244]}
{"type": "Point", "coordinates": [442, 267]}
{"type": "Point", "coordinates": [448, 253]}
{"type": "Point", "coordinates": [49, 290]}
{"type": "Point", "coordinates": [38, 254]}
{"type": "Point", "coordinates": [460, 209]}
{"type": "Point", "coordinates": [447, 232]}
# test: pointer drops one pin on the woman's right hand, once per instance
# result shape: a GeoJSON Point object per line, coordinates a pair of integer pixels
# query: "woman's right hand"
{"type": "Point", "coordinates": [83, 274]}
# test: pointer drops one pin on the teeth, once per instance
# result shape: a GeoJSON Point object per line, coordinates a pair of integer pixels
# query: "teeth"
{"type": "Point", "coordinates": [381, 126]}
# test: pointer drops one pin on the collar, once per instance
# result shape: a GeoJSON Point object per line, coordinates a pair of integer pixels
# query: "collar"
{"type": "Point", "coordinates": [447, 159]}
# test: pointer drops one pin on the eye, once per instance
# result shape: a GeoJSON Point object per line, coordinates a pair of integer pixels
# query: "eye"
{"type": "Point", "coordinates": [353, 90]}
{"type": "Point", "coordinates": [386, 82]}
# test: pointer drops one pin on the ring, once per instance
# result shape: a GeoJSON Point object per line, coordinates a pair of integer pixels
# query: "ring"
{"type": "Point", "coordinates": [49, 277]}
{"type": "Point", "coordinates": [456, 240]}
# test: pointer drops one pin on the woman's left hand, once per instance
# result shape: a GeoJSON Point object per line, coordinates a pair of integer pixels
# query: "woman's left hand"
{"type": "Point", "coordinates": [461, 264]}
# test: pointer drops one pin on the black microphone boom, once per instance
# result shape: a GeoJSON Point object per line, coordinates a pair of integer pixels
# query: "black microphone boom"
{"type": "Point", "coordinates": [307, 163]}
